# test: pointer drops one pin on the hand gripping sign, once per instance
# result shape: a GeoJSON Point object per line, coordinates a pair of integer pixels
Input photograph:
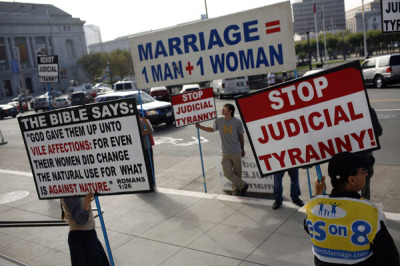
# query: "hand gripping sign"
{"type": "Point", "coordinates": [93, 148]}
{"type": "Point", "coordinates": [308, 120]}
{"type": "Point", "coordinates": [193, 107]}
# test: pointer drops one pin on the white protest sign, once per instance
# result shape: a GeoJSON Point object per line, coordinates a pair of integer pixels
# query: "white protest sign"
{"type": "Point", "coordinates": [308, 120]}
{"type": "Point", "coordinates": [193, 107]}
{"type": "Point", "coordinates": [250, 174]}
{"type": "Point", "coordinates": [48, 68]}
{"type": "Point", "coordinates": [247, 43]}
{"type": "Point", "coordinates": [390, 11]}
{"type": "Point", "coordinates": [91, 148]}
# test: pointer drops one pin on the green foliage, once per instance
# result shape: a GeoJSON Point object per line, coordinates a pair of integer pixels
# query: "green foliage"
{"type": "Point", "coordinates": [344, 43]}
{"type": "Point", "coordinates": [94, 65]}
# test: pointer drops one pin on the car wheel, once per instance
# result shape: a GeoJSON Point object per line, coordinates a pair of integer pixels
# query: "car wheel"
{"type": "Point", "coordinates": [378, 82]}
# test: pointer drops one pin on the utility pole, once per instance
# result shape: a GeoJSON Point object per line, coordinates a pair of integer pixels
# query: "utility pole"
{"type": "Point", "coordinates": [365, 35]}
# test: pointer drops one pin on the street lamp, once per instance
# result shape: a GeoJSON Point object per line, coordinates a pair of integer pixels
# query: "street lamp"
{"type": "Point", "coordinates": [108, 71]}
{"type": "Point", "coordinates": [308, 48]}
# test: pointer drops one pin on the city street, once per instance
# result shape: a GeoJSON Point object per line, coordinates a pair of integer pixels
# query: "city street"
{"type": "Point", "coordinates": [180, 223]}
{"type": "Point", "coordinates": [173, 145]}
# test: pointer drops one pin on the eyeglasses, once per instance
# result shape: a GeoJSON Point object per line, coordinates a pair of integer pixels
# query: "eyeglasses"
{"type": "Point", "coordinates": [365, 170]}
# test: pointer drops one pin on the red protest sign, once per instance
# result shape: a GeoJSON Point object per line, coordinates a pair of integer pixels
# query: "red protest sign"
{"type": "Point", "coordinates": [308, 120]}
{"type": "Point", "coordinates": [193, 107]}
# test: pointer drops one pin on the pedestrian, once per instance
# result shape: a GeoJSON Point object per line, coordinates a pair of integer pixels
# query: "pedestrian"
{"type": "Point", "coordinates": [147, 130]}
{"type": "Point", "coordinates": [84, 246]}
{"type": "Point", "coordinates": [271, 79]}
{"type": "Point", "coordinates": [365, 192]}
{"type": "Point", "coordinates": [294, 188]}
{"type": "Point", "coordinates": [232, 145]}
{"type": "Point", "coordinates": [344, 228]}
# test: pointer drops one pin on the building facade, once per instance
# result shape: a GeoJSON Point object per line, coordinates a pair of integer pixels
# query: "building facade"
{"type": "Point", "coordinates": [372, 14]}
{"type": "Point", "coordinates": [92, 35]}
{"type": "Point", "coordinates": [328, 12]}
{"type": "Point", "coordinates": [30, 30]}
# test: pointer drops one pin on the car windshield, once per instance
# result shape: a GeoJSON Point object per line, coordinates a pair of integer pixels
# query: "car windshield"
{"type": "Point", "coordinates": [145, 98]}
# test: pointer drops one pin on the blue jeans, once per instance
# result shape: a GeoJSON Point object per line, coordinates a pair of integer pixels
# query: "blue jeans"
{"type": "Point", "coordinates": [294, 184]}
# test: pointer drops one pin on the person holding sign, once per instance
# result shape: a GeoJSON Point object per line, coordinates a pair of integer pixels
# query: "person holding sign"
{"type": "Point", "coordinates": [232, 144]}
{"type": "Point", "coordinates": [294, 188]}
{"type": "Point", "coordinates": [344, 228]}
{"type": "Point", "coordinates": [147, 129]}
{"type": "Point", "coordinates": [84, 246]}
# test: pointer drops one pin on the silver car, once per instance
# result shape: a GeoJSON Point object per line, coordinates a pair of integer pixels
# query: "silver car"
{"type": "Point", "coordinates": [382, 70]}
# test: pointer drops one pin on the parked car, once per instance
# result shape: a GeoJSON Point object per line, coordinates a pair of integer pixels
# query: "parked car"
{"type": "Point", "coordinates": [78, 98]}
{"type": "Point", "coordinates": [99, 90]}
{"type": "Point", "coordinates": [156, 111]}
{"type": "Point", "coordinates": [41, 103]}
{"type": "Point", "coordinates": [230, 86]}
{"type": "Point", "coordinates": [61, 102]}
{"type": "Point", "coordinates": [190, 87]}
{"type": "Point", "coordinates": [16, 105]}
{"type": "Point", "coordinates": [7, 110]}
{"type": "Point", "coordinates": [313, 71]}
{"type": "Point", "coordinates": [124, 85]}
{"type": "Point", "coordinates": [382, 70]}
{"type": "Point", "coordinates": [160, 93]}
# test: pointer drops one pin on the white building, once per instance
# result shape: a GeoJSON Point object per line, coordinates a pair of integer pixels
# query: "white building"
{"type": "Point", "coordinates": [92, 34]}
{"type": "Point", "coordinates": [29, 30]}
{"type": "Point", "coordinates": [372, 14]}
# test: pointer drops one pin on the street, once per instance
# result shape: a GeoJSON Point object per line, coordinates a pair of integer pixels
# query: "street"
{"type": "Point", "coordinates": [174, 146]}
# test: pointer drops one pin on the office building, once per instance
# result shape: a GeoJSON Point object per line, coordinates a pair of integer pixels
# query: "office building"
{"type": "Point", "coordinates": [331, 12]}
{"type": "Point", "coordinates": [29, 30]}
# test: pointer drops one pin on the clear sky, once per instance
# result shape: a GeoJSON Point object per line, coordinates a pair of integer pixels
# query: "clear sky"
{"type": "Point", "coordinates": [118, 18]}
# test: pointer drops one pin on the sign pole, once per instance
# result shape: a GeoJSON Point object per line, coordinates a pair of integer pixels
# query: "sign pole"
{"type": "Point", "coordinates": [49, 89]}
{"type": "Point", "coordinates": [103, 227]}
{"type": "Point", "coordinates": [202, 164]}
{"type": "Point", "coordinates": [309, 183]}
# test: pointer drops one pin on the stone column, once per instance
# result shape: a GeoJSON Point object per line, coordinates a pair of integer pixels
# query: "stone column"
{"type": "Point", "coordinates": [30, 56]}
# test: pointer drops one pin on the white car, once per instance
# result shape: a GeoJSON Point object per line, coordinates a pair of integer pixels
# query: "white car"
{"type": "Point", "coordinates": [156, 111]}
{"type": "Point", "coordinates": [190, 87]}
{"type": "Point", "coordinates": [62, 102]}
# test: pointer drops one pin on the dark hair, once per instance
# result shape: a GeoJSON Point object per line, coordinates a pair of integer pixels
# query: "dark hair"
{"type": "Point", "coordinates": [340, 183]}
{"type": "Point", "coordinates": [230, 107]}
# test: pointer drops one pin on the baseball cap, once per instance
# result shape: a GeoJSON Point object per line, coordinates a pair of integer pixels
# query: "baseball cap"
{"type": "Point", "coordinates": [343, 164]}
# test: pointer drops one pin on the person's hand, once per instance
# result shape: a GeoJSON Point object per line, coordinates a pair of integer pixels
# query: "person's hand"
{"type": "Point", "coordinates": [319, 186]}
{"type": "Point", "coordinates": [243, 153]}
{"type": "Point", "coordinates": [197, 125]}
{"type": "Point", "coordinates": [88, 199]}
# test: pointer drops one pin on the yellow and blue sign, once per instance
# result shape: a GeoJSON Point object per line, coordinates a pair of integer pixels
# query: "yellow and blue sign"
{"type": "Point", "coordinates": [341, 229]}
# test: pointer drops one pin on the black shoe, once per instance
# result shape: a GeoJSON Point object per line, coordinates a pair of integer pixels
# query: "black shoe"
{"type": "Point", "coordinates": [244, 190]}
{"type": "Point", "coordinates": [276, 205]}
{"type": "Point", "coordinates": [298, 202]}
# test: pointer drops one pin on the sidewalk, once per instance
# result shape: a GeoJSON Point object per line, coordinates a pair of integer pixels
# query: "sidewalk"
{"type": "Point", "coordinates": [172, 226]}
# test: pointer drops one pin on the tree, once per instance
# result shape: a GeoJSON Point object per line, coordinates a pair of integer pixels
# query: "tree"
{"type": "Point", "coordinates": [93, 65]}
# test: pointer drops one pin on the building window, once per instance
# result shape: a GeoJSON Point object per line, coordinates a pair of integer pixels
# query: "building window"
{"type": "Point", "coordinates": [70, 49]}
{"type": "Point", "coordinates": [41, 46]}
{"type": "Point", "coordinates": [22, 49]}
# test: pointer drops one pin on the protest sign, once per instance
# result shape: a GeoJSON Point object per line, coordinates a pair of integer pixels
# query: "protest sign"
{"type": "Point", "coordinates": [193, 107]}
{"type": "Point", "coordinates": [308, 120]}
{"type": "Point", "coordinates": [48, 68]}
{"type": "Point", "coordinates": [247, 43]}
{"type": "Point", "coordinates": [390, 14]}
{"type": "Point", "coordinates": [93, 148]}
{"type": "Point", "coordinates": [250, 174]}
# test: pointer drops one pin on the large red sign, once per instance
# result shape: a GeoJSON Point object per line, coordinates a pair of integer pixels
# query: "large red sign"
{"type": "Point", "coordinates": [193, 107]}
{"type": "Point", "coordinates": [308, 120]}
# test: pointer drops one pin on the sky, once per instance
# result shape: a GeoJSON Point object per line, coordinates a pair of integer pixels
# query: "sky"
{"type": "Point", "coordinates": [117, 18]}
